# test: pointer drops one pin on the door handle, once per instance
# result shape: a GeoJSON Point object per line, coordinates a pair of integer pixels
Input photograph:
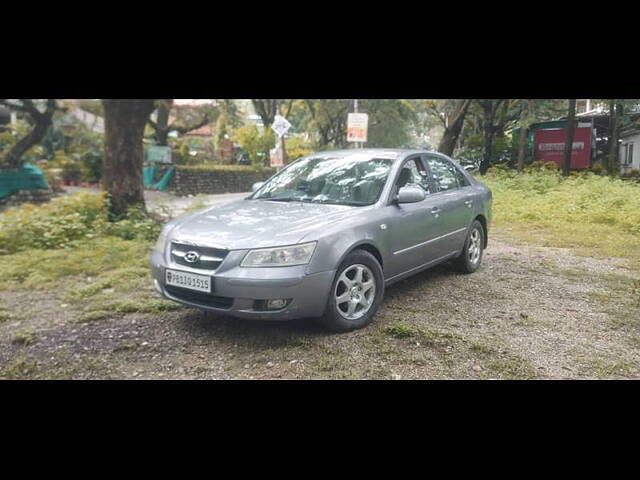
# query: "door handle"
{"type": "Point", "coordinates": [468, 203]}
{"type": "Point", "coordinates": [435, 211]}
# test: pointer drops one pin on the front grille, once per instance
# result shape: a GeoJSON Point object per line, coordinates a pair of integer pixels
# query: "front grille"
{"type": "Point", "coordinates": [203, 299]}
{"type": "Point", "coordinates": [209, 258]}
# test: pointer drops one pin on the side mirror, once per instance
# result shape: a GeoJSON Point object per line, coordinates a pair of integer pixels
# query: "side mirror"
{"type": "Point", "coordinates": [256, 186]}
{"type": "Point", "coordinates": [410, 195]}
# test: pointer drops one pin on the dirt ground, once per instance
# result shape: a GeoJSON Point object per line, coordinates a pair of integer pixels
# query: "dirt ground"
{"type": "Point", "coordinates": [529, 312]}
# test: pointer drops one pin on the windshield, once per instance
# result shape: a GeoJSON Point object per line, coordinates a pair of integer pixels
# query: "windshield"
{"type": "Point", "coordinates": [356, 180]}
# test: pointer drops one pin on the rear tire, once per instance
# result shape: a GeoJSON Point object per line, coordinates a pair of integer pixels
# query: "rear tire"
{"type": "Point", "coordinates": [471, 257]}
{"type": "Point", "coordinates": [356, 293]}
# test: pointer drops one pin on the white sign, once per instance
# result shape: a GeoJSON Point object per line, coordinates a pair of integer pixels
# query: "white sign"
{"type": "Point", "coordinates": [275, 157]}
{"type": "Point", "coordinates": [280, 125]}
{"type": "Point", "coordinates": [357, 126]}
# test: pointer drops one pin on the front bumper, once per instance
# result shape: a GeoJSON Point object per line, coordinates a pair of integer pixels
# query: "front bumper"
{"type": "Point", "coordinates": [237, 292]}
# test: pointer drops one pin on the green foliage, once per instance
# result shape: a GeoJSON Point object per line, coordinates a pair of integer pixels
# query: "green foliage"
{"type": "Point", "coordinates": [298, 147]}
{"type": "Point", "coordinates": [596, 213]}
{"type": "Point", "coordinates": [473, 149]}
{"type": "Point", "coordinates": [52, 142]}
{"type": "Point", "coordinates": [15, 132]}
{"type": "Point", "coordinates": [89, 261]}
{"type": "Point", "coordinates": [87, 148]}
{"type": "Point", "coordinates": [105, 276]}
{"type": "Point", "coordinates": [389, 122]}
{"type": "Point", "coordinates": [256, 145]}
{"type": "Point", "coordinates": [7, 140]}
{"type": "Point", "coordinates": [192, 150]}
{"type": "Point", "coordinates": [66, 221]}
{"type": "Point", "coordinates": [78, 158]}
{"type": "Point", "coordinates": [71, 171]}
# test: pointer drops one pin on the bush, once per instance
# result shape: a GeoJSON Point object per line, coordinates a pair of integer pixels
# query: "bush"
{"type": "Point", "coordinates": [87, 148]}
{"type": "Point", "coordinates": [67, 220]}
{"type": "Point", "coordinates": [203, 150]}
{"type": "Point", "coordinates": [297, 147]}
{"type": "Point", "coordinates": [257, 145]}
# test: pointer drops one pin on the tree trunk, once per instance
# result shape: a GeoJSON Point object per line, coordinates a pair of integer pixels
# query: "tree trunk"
{"type": "Point", "coordinates": [452, 131]}
{"type": "Point", "coordinates": [266, 109]}
{"type": "Point", "coordinates": [162, 122]}
{"type": "Point", "coordinates": [615, 116]}
{"type": "Point", "coordinates": [619, 127]}
{"type": "Point", "coordinates": [568, 144]}
{"type": "Point", "coordinates": [122, 164]}
{"type": "Point", "coordinates": [488, 133]}
{"type": "Point", "coordinates": [488, 144]}
{"type": "Point", "coordinates": [523, 136]}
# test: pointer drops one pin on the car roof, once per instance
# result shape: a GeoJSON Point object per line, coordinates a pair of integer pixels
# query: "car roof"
{"type": "Point", "coordinates": [391, 153]}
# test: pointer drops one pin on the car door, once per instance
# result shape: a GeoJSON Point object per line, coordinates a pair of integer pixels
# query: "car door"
{"type": "Point", "coordinates": [411, 225]}
{"type": "Point", "coordinates": [454, 204]}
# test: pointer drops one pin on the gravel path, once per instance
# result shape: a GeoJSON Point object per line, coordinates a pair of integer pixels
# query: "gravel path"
{"type": "Point", "coordinates": [529, 312]}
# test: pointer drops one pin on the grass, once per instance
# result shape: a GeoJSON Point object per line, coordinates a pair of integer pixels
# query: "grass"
{"type": "Point", "coordinates": [63, 365]}
{"type": "Point", "coordinates": [104, 276]}
{"type": "Point", "coordinates": [512, 367]}
{"type": "Point", "coordinates": [601, 367]}
{"type": "Point", "coordinates": [427, 337]}
{"type": "Point", "coordinates": [592, 214]}
{"type": "Point", "coordinates": [19, 368]}
{"type": "Point", "coordinates": [24, 337]}
{"type": "Point", "coordinates": [5, 315]}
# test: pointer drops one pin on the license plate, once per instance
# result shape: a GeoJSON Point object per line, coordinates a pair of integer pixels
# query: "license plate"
{"type": "Point", "coordinates": [191, 281]}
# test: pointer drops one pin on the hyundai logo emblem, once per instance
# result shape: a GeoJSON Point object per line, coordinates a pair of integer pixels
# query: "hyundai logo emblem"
{"type": "Point", "coordinates": [191, 257]}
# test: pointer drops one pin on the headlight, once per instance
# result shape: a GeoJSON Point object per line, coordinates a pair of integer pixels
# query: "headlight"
{"type": "Point", "coordinates": [162, 239]}
{"type": "Point", "coordinates": [280, 257]}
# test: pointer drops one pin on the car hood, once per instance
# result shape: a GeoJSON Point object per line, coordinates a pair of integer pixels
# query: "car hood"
{"type": "Point", "coordinates": [258, 223]}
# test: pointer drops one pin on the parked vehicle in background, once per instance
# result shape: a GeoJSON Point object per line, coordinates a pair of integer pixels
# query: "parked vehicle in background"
{"type": "Point", "coordinates": [244, 159]}
{"type": "Point", "coordinates": [325, 236]}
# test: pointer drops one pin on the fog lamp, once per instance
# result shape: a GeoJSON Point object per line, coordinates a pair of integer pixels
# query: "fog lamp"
{"type": "Point", "coordinates": [276, 304]}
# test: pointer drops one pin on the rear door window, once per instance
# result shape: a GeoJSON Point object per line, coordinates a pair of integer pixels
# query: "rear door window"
{"type": "Point", "coordinates": [445, 174]}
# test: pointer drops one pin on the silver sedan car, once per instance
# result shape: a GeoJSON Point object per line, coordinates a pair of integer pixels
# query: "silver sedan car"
{"type": "Point", "coordinates": [324, 236]}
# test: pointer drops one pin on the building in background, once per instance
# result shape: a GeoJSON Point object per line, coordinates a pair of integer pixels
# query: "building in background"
{"type": "Point", "coordinates": [629, 153]}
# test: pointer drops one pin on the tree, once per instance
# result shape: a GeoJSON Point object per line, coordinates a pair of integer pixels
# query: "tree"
{"type": "Point", "coordinates": [524, 125]}
{"type": "Point", "coordinates": [41, 121]}
{"type": "Point", "coordinates": [497, 115]}
{"type": "Point", "coordinates": [329, 121]}
{"type": "Point", "coordinates": [122, 164]}
{"type": "Point", "coordinates": [390, 122]}
{"type": "Point", "coordinates": [267, 109]}
{"type": "Point", "coordinates": [228, 120]}
{"type": "Point", "coordinates": [451, 114]}
{"type": "Point", "coordinates": [162, 128]}
{"type": "Point", "coordinates": [568, 144]}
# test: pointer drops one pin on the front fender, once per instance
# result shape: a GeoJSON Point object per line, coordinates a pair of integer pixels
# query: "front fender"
{"type": "Point", "coordinates": [334, 245]}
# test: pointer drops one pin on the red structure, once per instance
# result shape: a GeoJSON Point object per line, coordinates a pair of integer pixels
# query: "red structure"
{"type": "Point", "coordinates": [549, 146]}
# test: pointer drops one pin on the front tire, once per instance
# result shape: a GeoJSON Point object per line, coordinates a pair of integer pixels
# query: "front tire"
{"type": "Point", "coordinates": [356, 293]}
{"type": "Point", "coordinates": [471, 257]}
